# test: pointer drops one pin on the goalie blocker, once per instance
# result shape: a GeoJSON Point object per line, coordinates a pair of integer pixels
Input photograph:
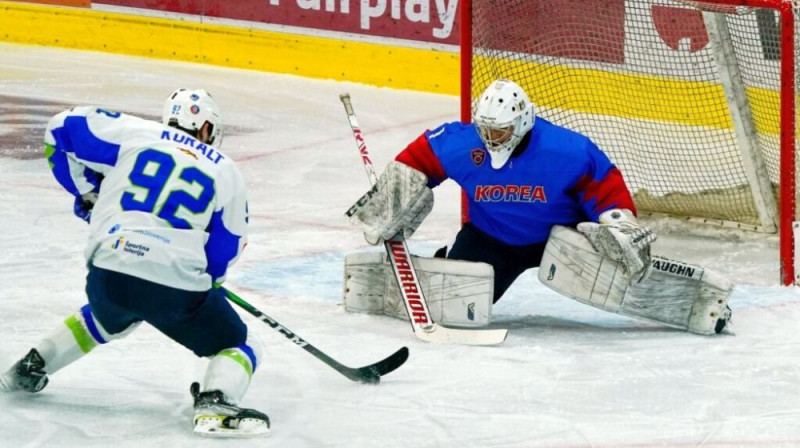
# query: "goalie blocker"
{"type": "Point", "coordinates": [674, 293]}
{"type": "Point", "coordinates": [458, 293]}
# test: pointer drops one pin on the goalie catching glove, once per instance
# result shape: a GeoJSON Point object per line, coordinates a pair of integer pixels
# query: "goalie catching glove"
{"type": "Point", "coordinates": [619, 237]}
{"type": "Point", "coordinates": [399, 202]}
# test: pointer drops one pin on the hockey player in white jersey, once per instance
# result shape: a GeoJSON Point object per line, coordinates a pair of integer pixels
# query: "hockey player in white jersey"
{"type": "Point", "coordinates": [167, 215]}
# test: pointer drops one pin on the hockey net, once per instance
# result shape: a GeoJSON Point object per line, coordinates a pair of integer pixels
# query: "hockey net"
{"type": "Point", "coordinates": [694, 101]}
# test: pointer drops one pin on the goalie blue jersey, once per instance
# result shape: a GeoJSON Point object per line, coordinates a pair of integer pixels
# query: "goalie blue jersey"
{"type": "Point", "coordinates": [558, 177]}
{"type": "Point", "coordinates": [170, 210]}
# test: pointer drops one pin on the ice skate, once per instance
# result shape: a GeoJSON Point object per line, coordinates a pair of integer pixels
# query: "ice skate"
{"type": "Point", "coordinates": [27, 374]}
{"type": "Point", "coordinates": [214, 416]}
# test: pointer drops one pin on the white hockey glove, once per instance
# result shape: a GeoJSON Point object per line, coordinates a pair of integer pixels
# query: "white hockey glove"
{"type": "Point", "coordinates": [619, 237]}
{"type": "Point", "coordinates": [399, 202]}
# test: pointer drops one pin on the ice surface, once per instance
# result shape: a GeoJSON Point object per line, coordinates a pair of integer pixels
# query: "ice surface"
{"type": "Point", "coordinates": [568, 376]}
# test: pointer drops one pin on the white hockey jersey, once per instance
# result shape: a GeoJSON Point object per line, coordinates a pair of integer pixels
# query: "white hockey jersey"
{"type": "Point", "coordinates": [171, 210]}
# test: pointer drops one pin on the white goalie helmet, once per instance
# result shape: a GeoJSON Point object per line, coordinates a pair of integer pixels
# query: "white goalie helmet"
{"type": "Point", "coordinates": [190, 109]}
{"type": "Point", "coordinates": [503, 115]}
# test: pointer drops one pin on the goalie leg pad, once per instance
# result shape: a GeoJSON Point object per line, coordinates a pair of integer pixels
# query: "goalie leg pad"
{"type": "Point", "coordinates": [458, 293]}
{"type": "Point", "coordinates": [678, 294]}
{"type": "Point", "coordinates": [572, 267]}
{"type": "Point", "coordinates": [693, 297]}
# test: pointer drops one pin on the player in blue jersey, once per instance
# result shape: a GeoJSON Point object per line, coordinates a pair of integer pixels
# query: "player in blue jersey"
{"type": "Point", "coordinates": [167, 214]}
{"type": "Point", "coordinates": [536, 192]}
{"type": "Point", "coordinates": [522, 175]}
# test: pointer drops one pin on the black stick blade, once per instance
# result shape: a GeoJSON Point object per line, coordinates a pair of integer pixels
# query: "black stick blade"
{"type": "Point", "coordinates": [372, 373]}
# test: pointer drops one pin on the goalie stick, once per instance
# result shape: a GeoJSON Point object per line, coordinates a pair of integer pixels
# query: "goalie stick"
{"type": "Point", "coordinates": [370, 374]}
{"type": "Point", "coordinates": [400, 258]}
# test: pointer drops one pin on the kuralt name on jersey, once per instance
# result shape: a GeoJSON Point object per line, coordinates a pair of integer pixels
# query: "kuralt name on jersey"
{"type": "Point", "coordinates": [510, 193]}
{"type": "Point", "coordinates": [183, 139]}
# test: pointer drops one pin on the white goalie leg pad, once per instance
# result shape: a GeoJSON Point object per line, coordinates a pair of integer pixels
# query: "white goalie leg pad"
{"type": "Point", "coordinates": [230, 371]}
{"type": "Point", "coordinates": [685, 295]}
{"type": "Point", "coordinates": [572, 267]}
{"type": "Point", "coordinates": [674, 293]}
{"type": "Point", "coordinates": [458, 293]}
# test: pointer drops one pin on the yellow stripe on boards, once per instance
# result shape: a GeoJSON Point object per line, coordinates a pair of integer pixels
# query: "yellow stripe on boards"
{"type": "Point", "coordinates": [619, 94]}
{"type": "Point", "coordinates": [636, 96]}
{"type": "Point", "coordinates": [315, 57]}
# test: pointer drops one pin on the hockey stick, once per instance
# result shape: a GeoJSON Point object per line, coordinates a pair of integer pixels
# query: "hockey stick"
{"type": "Point", "coordinates": [368, 374]}
{"type": "Point", "coordinates": [400, 258]}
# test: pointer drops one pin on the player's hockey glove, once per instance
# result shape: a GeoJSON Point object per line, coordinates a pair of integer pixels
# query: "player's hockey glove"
{"type": "Point", "coordinates": [619, 237]}
{"type": "Point", "coordinates": [399, 202]}
{"type": "Point", "coordinates": [84, 204]}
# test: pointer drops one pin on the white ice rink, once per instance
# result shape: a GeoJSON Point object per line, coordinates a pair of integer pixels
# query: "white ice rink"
{"type": "Point", "coordinates": [568, 376]}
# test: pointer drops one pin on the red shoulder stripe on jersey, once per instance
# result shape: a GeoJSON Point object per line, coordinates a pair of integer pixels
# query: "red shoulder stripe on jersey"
{"type": "Point", "coordinates": [609, 192]}
{"type": "Point", "coordinates": [419, 155]}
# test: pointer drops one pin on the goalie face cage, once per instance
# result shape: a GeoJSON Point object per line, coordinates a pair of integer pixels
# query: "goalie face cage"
{"type": "Point", "coordinates": [694, 101]}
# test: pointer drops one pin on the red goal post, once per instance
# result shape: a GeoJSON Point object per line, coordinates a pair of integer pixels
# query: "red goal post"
{"type": "Point", "coordinates": [693, 100]}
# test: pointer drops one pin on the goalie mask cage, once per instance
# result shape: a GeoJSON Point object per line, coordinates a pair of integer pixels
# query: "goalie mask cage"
{"type": "Point", "coordinates": [694, 101]}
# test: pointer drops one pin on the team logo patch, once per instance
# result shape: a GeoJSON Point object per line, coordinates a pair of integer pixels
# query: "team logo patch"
{"type": "Point", "coordinates": [195, 109]}
{"type": "Point", "coordinates": [478, 156]}
{"type": "Point", "coordinates": [140, 250]}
